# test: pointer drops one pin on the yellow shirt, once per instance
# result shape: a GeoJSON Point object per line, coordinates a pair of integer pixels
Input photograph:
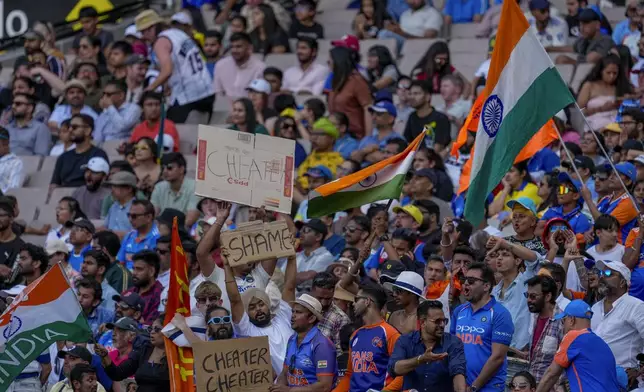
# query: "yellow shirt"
{"type": "Point", "coordinates": [199, 37]}
{"type": "Point", "coordinates": [329, 159]}
{"type": "Point", "coordinates": [529, 190]}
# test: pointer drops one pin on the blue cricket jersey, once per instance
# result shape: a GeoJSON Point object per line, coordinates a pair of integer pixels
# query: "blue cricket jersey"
{"type": "Point", "coordinates": [478, 330]}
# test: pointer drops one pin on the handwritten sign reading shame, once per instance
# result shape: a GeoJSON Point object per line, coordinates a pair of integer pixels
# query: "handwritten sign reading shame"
{"type": "Point", "coordinates": [255, 241]}
{"type": "Point", "coordinates": [255, 170]}
{"type": "Point", "coordinates": [233, 365]}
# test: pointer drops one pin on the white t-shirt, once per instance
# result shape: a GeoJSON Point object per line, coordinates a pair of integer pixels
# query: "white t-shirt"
{"type": "Point", "coordinates": [258, 278]}
{"type": "Point", "coordinates": [614, 254]}
{"type": "Point", "coordinates": [59, 148]}
{"type": "Point", "coordinates": [194, 283]}
{"type": "Point", "coordinates": [278, 331]}
{"type": "Point", "coordinates": [417, 22]}
{"type": "Point", "coordinates": [572, 278]}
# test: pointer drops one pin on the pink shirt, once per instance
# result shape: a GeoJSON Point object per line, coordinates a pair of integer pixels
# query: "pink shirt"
{"type": "Point", "coordinates": [232, 79]}
{"type": "Point", "coordinates": [310, 80]}
{"type": "Point", "coordinates": [116, 360]}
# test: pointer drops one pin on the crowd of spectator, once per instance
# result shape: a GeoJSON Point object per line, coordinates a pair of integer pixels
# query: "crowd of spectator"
{"type": "Point", "coordinates": [544, 295]}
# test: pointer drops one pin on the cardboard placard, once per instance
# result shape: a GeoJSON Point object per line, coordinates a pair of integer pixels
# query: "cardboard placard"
{"type": "Point", "coordinates": [255, 241]}
{"type": "Point", "coordinates": [234, 365]}
{"type": "Point", "coordinates": [255, 170]}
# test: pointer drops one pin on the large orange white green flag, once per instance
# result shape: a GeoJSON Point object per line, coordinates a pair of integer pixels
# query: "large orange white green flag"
{"type": "Point", "coordinates": [180, 359]}
{"type": "Point", "coordinates": [45, 312]}
{"type": "Point", "coordinates": [523, 91]}
{"type": "Point", "coordinates": [380, 181]}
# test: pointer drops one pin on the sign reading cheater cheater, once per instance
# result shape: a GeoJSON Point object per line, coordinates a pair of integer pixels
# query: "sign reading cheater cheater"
{"type": "Point", "coordinates": [255, 170]}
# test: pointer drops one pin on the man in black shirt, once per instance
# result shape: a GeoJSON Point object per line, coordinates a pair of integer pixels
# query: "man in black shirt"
{"type": "Point", "coordinates": [68, 171]}
{"type": "Point", "coordinates": [304, 24]}
{"type": "Point", "coordinates": [10, 244]}
{"type": "Point", "coordinates": [426, 116]}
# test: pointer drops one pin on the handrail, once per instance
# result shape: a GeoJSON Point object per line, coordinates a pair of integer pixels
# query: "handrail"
{"type": "Point", "coordinates": [64, 28]}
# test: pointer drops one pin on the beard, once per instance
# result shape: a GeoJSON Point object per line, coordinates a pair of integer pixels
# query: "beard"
{"type": "Point", "coordinates": [76, 138]}
{"type": "Point", "coordinates": [222, 333]}
{"type": "Point", "coordinates": [261, 320]}
{"type": "Point", "coordinates": [536, 307]}
{"type": "Point", "coordinates": [140, 282]}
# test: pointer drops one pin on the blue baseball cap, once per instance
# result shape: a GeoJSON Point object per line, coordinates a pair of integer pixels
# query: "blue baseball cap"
{"type": "Point", "coordinates": [627, 169]}
{"type": "Point", "coordinates": [577, 308]}
{"type": "Point", "coordinates": [384, 107]}
{"type": "Point", "coordinates": [319, 171]}
{"type": "Point", "coordinates": [565, 177]}
{"type": "Point", "coordinates": [524, 201]}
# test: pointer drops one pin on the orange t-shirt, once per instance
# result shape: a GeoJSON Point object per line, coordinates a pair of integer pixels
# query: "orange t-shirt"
{"type": "Point", "coordinates": [145, 130]}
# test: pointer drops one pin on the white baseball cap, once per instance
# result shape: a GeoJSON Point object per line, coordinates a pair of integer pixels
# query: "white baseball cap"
{"type": "Point", "coordinates": [181, 17]}
{"type": "Point", "coordinates": [616, 266]}
{"type": "Point", "coordinates": [97, 165]}
{"type": "Point", "coordinates": [260, 86]}
{"type": "Point", "coordinates": [639, 159]}
{"type": "Point", "coordinates": [132, 31]}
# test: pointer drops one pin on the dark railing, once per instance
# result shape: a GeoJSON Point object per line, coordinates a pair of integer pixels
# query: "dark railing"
{"type": "Point", "coordinates": [59, 11]}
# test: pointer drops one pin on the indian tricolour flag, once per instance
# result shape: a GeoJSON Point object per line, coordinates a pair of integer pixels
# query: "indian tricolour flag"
{"type": "Point", "coordinates": [523, 91]}
{"type": "Point", "coordinates": [380, 181]}
{"type": "Point", "coordinates": [45, 312]}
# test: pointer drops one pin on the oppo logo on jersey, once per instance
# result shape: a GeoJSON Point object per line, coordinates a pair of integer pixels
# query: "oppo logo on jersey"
{"type": "Point", "coordinates": [469, 334]}
{"type": "Point", "coordinates": [469, 329]}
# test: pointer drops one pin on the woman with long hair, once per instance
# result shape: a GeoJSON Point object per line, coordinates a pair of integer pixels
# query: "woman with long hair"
{"type": "Point", "coordinates": [67, 211]}
{"type": "Point", "coordinates": [381, 65]}
{"type": "Point", "coordinates": [268, 36]}
{"type": "Point", "coordinates": [523, 381]}
{"type": "Point", "coordinates": [147, 362]}
{"type": "Point", "coordinates": [244, 119]}
{"type": "Point", "coordinates": [602, 91]}
{"type": "Point", "coordinates": [370, 19]}
{"type": "Point", "coordinates": [89, 50]}
{"type": "Point", "coordinates": [147, 168]}
{"type": "Point", "coordinates": [350, 92]}
{"type": "Point", "coordinates": [435, 64]}
{"type": "Point", "coordinates": [547, 192]}
{"type": "Point", "coordinates": [286, 127]}
{"type": "Point", "coordinates": [516, 183]}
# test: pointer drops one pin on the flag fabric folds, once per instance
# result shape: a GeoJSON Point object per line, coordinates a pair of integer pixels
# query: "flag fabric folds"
{"type": "Point", "coordinates": [45, 312]}
{"type": "Point", "coordinates": [523, 91]}
{"type": "Point", "coordinates": [180, 359]}
{"type": "Point", "coordinates": [380, 181]}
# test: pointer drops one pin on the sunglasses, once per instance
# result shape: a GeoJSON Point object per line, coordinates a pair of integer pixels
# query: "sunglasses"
{"type": "Point", "coordinates": [439, 321]}
{"type": "Point", "coordinates": [556, 228]}
{"type": "Point", "coordinates": [350, 230]}
{"type": "Point", "coordinates": [203, 300]}
{"type": "Point", "coordinates": [404, 86]}
{"type": "Point", "coordinates": [531, 296]}
{"type": "Point", "coordinates": [155, 329]}
{"type": "Point", "coordinates": [564, 190]}
{"type": "Point", "coordinates": [470, 280]}
{"type": "Point", "coordinates": [607, 273]}
{"type": "Point", "coordinates": [219, 320]}
{"type": "Point", "coordinates": [520, 385]}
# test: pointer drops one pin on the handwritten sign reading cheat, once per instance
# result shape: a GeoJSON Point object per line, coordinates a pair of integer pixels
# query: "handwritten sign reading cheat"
{"type": "Point", "coordinates": [233, 365]}
{"type": "Point", "coordinates": [255, 170]}
{"type": "Point", "coordinates": [256, 241]}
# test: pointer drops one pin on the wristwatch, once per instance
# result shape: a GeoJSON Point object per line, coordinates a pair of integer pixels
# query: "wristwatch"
{"type": "Point", "coordinates": [384, 237]}
{"type": "Point", "coordinates": [473, 388]}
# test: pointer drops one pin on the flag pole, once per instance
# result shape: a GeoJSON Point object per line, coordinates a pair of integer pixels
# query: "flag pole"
{"type": "Point", "coordinates": [568, 154]}
{"type": "Point", "coordinates": [610, 161]}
